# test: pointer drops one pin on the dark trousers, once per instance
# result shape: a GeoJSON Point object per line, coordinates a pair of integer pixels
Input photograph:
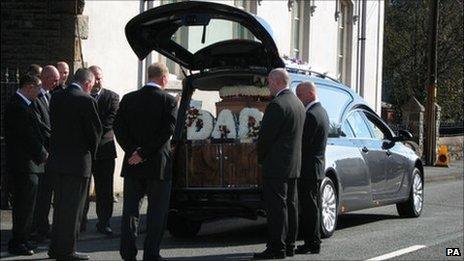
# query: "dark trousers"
{"type": "Point", "coordinates": [70, 195]}
{"type": "Point", "coordinates": [308, 194]}
{"type": "Point", "coordinates": [103, 176]}
{"type": "Point", "coordinates": [24, 192]}
{"type": "Point", "coordinates": [281, 199]}
{"type": "Point", "coordinates": [43, 205]}
{"type": "Point", "coordinates": [158, 194]}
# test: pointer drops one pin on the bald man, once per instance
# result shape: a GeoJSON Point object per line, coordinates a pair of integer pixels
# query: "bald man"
{"type": "Point", "coordinates": [49, 77]}
{"type": "Point", "coordinates": [63, 69]}
{"type": "Point", "coordinates": [279, 153]}
{"type": "Point", "coordinates": [315, 133]}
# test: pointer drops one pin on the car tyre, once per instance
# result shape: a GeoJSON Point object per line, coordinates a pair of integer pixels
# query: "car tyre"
{"type": "Point", "coordinates": [415, 203]}
{"type": "Point", "coordinates": [328, 208]}
{"type": "Point", "coordinates": [182, 227]}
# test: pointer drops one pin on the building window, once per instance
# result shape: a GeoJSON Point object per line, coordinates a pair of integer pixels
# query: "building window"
{"type": "Point", "coordinates": [180, 37]}
{"type": "Point", "coordinates": [345, 32]}
{"type": "Point", "coordinates": [250, 6]}
{"type": "Point", "coordinates": [300, 30]}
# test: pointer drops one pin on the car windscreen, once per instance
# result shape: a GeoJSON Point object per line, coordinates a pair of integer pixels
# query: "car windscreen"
{"type": "Point", "coordinates": [194, 38]}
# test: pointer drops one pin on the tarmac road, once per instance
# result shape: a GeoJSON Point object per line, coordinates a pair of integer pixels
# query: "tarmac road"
{"type": "Point", "coordinates": [360, 235]}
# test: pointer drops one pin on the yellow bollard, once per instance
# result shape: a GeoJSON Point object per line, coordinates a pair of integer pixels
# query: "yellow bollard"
{"type": "Point", "coordinates": [442, 156]}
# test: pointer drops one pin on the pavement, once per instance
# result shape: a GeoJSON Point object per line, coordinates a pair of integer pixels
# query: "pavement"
{"type": "Point", "coordinates": [232, 239]}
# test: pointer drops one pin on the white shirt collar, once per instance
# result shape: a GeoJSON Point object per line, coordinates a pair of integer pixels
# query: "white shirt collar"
{"type": "Point", "coordinates": [28, 102]}
{"type": "Point", "coordinates": [43, 91]}
{"type": "Point", "coordinates": [98, 93]}
{"type": "Point", "coordinates": [312, 103]}
{"type": "Point", "coordinates": [277, 94]}
{"type": "Point", "coordinates": [153, 84]}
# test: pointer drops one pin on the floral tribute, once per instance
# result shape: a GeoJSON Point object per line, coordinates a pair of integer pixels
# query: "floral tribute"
{"type": "Point", "coordinates": [225, 126]}
{"type": "Point", "coordinates": [199, 124]}
{"type": "Point", "coordinates": [249, 123]}
{"type": "Point", "coordinates": [245, 91]}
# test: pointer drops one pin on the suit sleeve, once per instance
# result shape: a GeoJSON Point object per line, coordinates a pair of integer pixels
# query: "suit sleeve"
{"type": "Point", "coordinates": [269, 131]}
{"type": "Point", "coordinates": [92, 126]}
{"type": "Point", "coordinates": [31, 139]}
{"type": "Point", "coordinates": [168, 122]}
{"type": "Point", "coordinates": [108, 119]}
{"type": "Point", "coordinates": [121, 126]}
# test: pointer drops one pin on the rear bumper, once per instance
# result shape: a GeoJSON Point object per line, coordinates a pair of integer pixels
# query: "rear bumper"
{"type": "Point", "coordinates": [212, 203]}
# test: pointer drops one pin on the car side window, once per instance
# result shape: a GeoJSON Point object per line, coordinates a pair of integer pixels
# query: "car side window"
{"type": "Point", "coordinates": [346, 130]}
{"type": "Point", "coordinates": [378, 130]}
{"type": "Point", "coordinates": [359, 126]}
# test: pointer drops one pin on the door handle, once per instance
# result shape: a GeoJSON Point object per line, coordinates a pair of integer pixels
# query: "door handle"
{"type": "Point", "coordinates": [388, 153]}
{"type": "Point", "coordinates": [365, 149]}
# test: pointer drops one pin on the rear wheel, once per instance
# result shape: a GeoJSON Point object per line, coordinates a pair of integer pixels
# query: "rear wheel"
{"type": "Point", "coordinates": [329, 206]}
{"type": "Point", "coordinates": [413, 207]}
{"type": "Point", "coordinates": [180, 226]}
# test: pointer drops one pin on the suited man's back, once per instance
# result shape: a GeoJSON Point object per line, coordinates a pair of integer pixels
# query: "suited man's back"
{"type": "Point", "coordinates": [279, 144]}
{"type": "Point", "coordinates": [315, 135]}
{"type": "Point", "coordinates": [76, 131]}
{"type": "Point", "coordinates": [146, 119]}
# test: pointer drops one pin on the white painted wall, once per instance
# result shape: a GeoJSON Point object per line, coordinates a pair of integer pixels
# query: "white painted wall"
{"type": "Point", "coordinates": [279, 18]}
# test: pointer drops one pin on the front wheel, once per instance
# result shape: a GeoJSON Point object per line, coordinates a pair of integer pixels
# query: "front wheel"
{"type": "Point", "coordinates": [413, 206]}
{"type": "Point", "coordinates": [329, 206]}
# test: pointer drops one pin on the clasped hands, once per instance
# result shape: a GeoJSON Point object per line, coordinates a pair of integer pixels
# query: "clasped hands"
{"type": "Point", "coordinates": [135, 158]}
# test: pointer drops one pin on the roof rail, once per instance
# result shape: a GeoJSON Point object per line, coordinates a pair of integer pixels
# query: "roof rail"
{"type": "Point", "coordinates": [311, 72]}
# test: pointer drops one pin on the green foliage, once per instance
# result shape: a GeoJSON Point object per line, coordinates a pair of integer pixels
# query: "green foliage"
{"type": "Point", "coordinates": [406, 41]}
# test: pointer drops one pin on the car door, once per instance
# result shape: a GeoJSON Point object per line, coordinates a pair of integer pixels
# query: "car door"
{"type": "Point", "coordinates": [395, 164]}
{"type": "Point", "coordinates": [372, 151]}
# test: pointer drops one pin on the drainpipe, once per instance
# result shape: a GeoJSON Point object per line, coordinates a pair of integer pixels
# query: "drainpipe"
{"type": "Point", "coordinates": [358, 32]}
{"type": "Point", "coordinates": [140, 78]}
{"type": "Point", "coordinates": [362, 40]}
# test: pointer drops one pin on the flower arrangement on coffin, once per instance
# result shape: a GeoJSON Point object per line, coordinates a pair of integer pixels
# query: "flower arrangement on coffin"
{"type": "Point", "coordinates": [244, 91]}
{"type": "Point", "coordinates": [201, 126]}
{"type": "Point", "coordinates": [225, 126]}
{"type": "Point", "coordinates": [192, 115]}
{"type": "Point", "coordinates": [249, 123]}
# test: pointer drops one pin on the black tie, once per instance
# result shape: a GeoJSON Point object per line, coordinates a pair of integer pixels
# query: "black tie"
{"type": "Point", "coordinates": [94, 95]}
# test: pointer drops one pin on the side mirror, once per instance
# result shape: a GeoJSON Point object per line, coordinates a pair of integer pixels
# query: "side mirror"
{"type": "Point", "coordinates": [402, 136]}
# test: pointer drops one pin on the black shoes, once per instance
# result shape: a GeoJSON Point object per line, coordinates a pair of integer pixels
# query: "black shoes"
{"type": "Point", "coordinates": [20, 250]}
{"type": "Point", "coordinates": [105, 230]}
{"type": "Point", "coordinates": [71, 257]}
{"type": "Point", "coordinates": [290, 251]}
{"type": "Point", "coordinates": [306, 248]}
{"type": "Point", "coordinates": [269, 254]}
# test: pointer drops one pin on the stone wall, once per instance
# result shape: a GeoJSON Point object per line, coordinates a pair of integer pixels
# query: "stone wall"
{"type": "Point", "coordinates": [41, 32]}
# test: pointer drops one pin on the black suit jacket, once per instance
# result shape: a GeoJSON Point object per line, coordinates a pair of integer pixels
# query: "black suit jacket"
{"type": "Point", "coordinates": [316, 131]}
{"type": "Point", "coordinates": [25, 150]}
{"type": "Point", "coordinates": [76, 132]}
{"type": "Point", "coordinates": [279, 142]}
{"type": "Point", "coordinates": [108, 104]}
{"type": "Point", "coordinates": [42, 109]}
{"type": "Point", "coordinates": [145, 121]}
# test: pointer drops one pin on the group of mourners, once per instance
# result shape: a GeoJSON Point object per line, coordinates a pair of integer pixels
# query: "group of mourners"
{"type": "Point", "coordinates": [58, 136]}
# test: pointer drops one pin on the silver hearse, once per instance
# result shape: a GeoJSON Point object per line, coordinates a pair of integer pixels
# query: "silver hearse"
{"type": "Point", "coordinates": [367, 165]}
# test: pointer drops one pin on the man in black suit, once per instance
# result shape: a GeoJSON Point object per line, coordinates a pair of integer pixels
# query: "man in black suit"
{"type": "Point", "coordinates": [279, 153]}
{"type": "Point", "coordinates": [315, 133]}
{"type": "Point", "coordinates": [103, 166]}
{"type": "Point", "coordinates": [73, 144]}
{"type": "Point", "coordinates": [49, 78]}
{"type": "Point", "coordinates": [25, 158]}
{"type": "Point", "coordinates": [143, 127]}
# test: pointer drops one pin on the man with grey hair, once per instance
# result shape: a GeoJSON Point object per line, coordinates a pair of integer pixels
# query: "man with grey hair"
{"type": "Point", "coordinates": [73, 144]}
{"type": "Point", "coordinates": [143, 127]}
{"type": "Point", "coordinates": [49, 77]}
{"type": "Point", "coordinates": [279, 153]}
{"type": "Point", "coordinates": [315, 133]}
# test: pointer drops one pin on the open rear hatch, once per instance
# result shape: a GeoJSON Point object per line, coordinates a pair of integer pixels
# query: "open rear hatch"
{"type": "Point", "coordinates": [209, 44]}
